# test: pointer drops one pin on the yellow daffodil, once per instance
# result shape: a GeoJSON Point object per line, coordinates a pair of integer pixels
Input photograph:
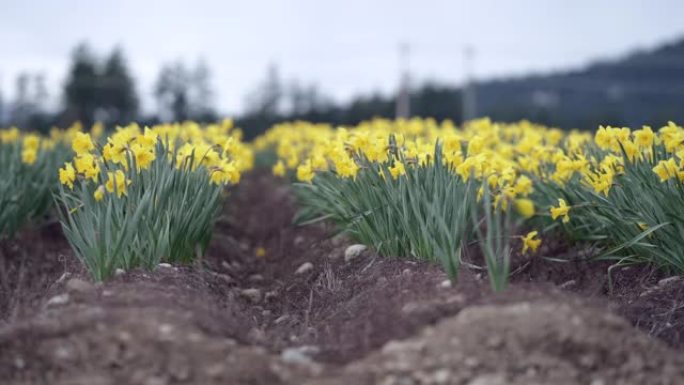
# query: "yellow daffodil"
{"type": "Point", "coordinates": [82, 143]}
{"type": "Point", "coordinates": [99, 193]}
{"type": "Point", "coordinates": [561, 211]}
{"type": "Point", "coordinates": [67, 175]}
{"type": "Point", "coordinates": [524, 207]}
{"type": "Point", "coordinates": [530, 243]}
{"type": "Point", "coordinates": [279, 168]}
{"type": "Point", "coordinates": [117, 182]}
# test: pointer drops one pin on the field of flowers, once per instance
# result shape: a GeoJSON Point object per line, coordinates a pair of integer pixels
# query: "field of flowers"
{"type": "Point", "coordinates": [135, 198]}
{"type": "Point", "coordinates": [423, 189]}
{"type": "Point", "coordinates": [183, 253]}
{"type": "Point", "coordinates": [407, 188]}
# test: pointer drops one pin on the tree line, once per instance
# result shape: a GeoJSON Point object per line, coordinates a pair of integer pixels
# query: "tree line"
{"type": "Point", "coordinates": [102, 88]}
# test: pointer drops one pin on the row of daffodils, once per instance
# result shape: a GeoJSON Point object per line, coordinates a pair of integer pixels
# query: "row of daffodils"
{"type": "Point", "coordinates": [427, 190]}
{"type": "Point", "coordinates": [135, 198]}
{"type": "Point", "coordinates": [407, 188]}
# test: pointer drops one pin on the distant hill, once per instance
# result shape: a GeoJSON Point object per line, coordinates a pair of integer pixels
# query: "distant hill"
{"type": "Point", "coordinates": [643, 88]}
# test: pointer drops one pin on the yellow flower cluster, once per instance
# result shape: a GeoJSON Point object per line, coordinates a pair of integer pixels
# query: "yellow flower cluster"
{"type": "Point", "coordinates": [510, 158]}
{"type": "Point", "coordinates": [503, 153]}
{"type": "Point", "coordinates": [216, 147]}
{"type": "Point", "coordinates": [32, 144]}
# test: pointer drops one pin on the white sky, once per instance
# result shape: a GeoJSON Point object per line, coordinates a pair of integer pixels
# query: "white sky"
{"type": "Point", "coordinates": [346, 47]}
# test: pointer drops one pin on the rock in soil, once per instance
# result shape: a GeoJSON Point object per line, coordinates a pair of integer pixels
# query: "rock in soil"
{"type": "Point", "coordinates": [254, 295]}
{"type": "Point", "coordinates": [354, 251]}
{"type": "Point", "coordinates": [77, 285]}
{"type": "Point", "coordinates": [60, 299]}
{"type": "Point", "coordinates": [304, 268]}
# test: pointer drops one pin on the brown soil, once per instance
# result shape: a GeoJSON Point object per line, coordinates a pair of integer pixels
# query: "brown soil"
{"type": "Point", "coordinates": [239, 318]}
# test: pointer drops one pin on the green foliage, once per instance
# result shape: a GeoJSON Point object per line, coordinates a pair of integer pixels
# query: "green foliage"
{"type": "Point", "coordinates": [640, 221]}
{"type": "Point", "coordinates": [493, 229]}
{"type": "Point", "coordinates": [166, 215]}
{"type": "Point", "coordinates": [423, 214]}
{"type": "Point", "coordinates": [26, 189]}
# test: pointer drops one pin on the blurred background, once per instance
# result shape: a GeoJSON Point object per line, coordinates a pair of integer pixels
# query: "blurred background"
{"type": "Point", "coordinates": [564, 63]}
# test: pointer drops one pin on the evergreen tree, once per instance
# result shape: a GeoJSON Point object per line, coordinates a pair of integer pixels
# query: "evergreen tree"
{"type": "Point", "coordinates": [82, 88]}
{"type": "Point", "coordinates": [118, 98]}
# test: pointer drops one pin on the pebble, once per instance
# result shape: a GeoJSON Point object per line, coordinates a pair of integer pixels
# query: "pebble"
{"type": "Point", "coordinates": [165, 328]}
{"type": "Point", "coordinates": [77, 285]}
{"type": "Point", "coordinates": [254, 295]}
{"type": "Point", "coordinates": [354, 251]}
{"type": "Point", "coordinates": [669, 280]}
{"type": "Point", "coordinates": [19, 363]}
{"type": "Point", "coordinates": [271, 295]}
{"type": "Point", "coordinates": [256, 277]}
{"type": "Point", "coordinates": [299, 354]}
{"type": "Point", "coordinates": [119, 272]}
{"type": "Point", "coordinates": [256, 334]}
{"type": "Point", "coordinates": [57, 300]}
{"type": "Point", "coordinates": [446, 284]}
{"type": "Point", "coordinates": [165, 265]}
{"type": "Point", "coordinates": [304, 268]}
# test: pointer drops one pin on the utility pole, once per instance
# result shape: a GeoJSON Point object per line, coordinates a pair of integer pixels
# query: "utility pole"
{"type": "Point", "coordinates": [403, 107]}
{"type": "Point", "coordinates": [468, 100]}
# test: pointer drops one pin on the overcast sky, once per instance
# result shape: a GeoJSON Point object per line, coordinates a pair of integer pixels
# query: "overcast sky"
{"type": "Point", "coordinates": [346, 47]}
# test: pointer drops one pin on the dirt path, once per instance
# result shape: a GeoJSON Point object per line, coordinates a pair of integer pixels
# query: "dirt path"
{"type": "Point", "coordinates": [306, 312]}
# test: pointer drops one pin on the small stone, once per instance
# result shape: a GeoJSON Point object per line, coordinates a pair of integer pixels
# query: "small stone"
{"type": "Point", "coordinates": [256, 334]}
{"type": "Point", "coordinates": [58, 300]}
{"type": "Point", "coordinates": [254, 295]}
{"type": "Point", "coordinates": [156, 381]}
{"type": "Point", "coordinates": [224, 277]}
{"type": "Point", "coordinates": [441, 376]}
{"type": "Point", "coordinates": [298, 240]}
{"type": "Point", "coordinates": [271, 295]}
{"type": "Point", "coordinates": [299, 355]}
{"type": "Point", "coordinates": [281, 319]}
{"type": "Point", "coordinates": [406, 272]}
{"type": "Point", "coordinates": [304, 268]}
{"type": "Point", "coordinates": [354, 251]}
{"type": "Point", "coordinates": [165, 328]}
{"type": "Point", "coordinates": [445, 284]}
{"type": "Point", "coordinates": [76, 285]}
{"type": "Point", "coordinates": [669, 280]}
{"type": "Point", "coordinates": [164, 265]}
{"type": "Point", "coordinates": [266, 313]}
{"type": "Point", "coordinates": [256, 277]}
{"type": "Point", "coordinates": [19, 363]}
{"type": "Point", "coordinates": [119, 272]}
